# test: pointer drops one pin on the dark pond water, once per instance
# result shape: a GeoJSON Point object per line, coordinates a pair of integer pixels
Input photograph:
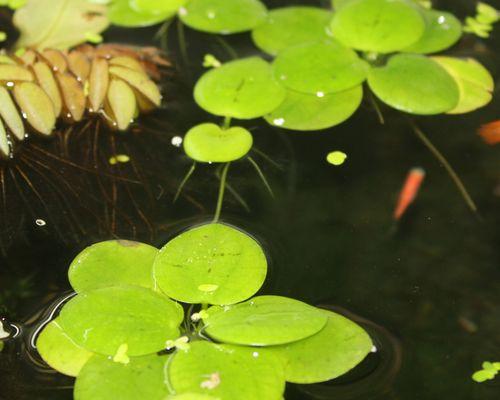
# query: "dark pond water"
{"type": "Point", "coordinates": [427, 291]}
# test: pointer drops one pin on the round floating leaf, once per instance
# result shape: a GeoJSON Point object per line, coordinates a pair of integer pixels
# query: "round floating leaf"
{"type": "Point", "coordinates": [191, 396]}
{"type": "Point", "coordinates": [474, 81]}
{"type": "Point", "coordinates": [105, 320]}
{"type": "Point", "coordinates": [308, 112]}
{"type": "Point", "coordinates": [213, 263]}
{"type": "Point", "coordinates": [264, 321]}
{"type": "Point", "coordinates": [141, 378]}
{"type": "Point", "coordinates": [227, 372]}
{"type": "Point", "coordinates": [157, 6]}
{"type": "Point", "coordinates": [442, 31]}
{"type": "Point", "coordinates": [223, 16]}
{"type": "Point", "coordinates": [210, 143]}
{"type": "Point", "coordinates": [243, 89]}
{"type": "Point", "coordinates": [291, 26]}
{"type": "Point", "coordinates": [381, 26]}
{"type": "Point", "coordinates": [415, 84]}
{"type": "Point", "coordinates": [113, 263]}
{"type": "Point", "coordinates": [59, 351]}
{"type": "Point", "coordinates": [333, 351]}
{"type": "Point", "coordinates": [319, 68]}
{"type": "Point", "coordinates": [121, 13]}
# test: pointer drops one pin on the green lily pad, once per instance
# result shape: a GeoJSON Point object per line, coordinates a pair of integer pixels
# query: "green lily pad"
{"type": "Point", "coordinates": [330, 353]}
{"type": "Point", "coordinates": [381, 26]}
{"type": "Point", "coordinates": [337, 4]}
{"type": "Point", "coordinates": [104, 379]}
{"type": "Point", "coordinates": [105, 320]}
{"type": "Point", "coordinates": [213, 263]}
{"type": "Point", "coordinates": [223, 16]}
{"type": "Point", "coordinates": [210, 143]}
{"type": "Point", "coordinates": [264, 321]}
{"type": "Point", "coordinates": [415, 84]}
{"type": "Point", "coordinates": [227, 372]}
{"type": "Point", "coordinates": [157, 6]}
{"type": "Point", "coordinates": [243, 89]}
{"type": "Point", "coordinates": [442, 31]}
{"type": "Point", "coordinates": [59, 351]}
{"type": "Point", "coordinates": [307, 112]}
{"type": "Point", "coordinates": [319, 68]}
{"type": "Point", "coordinates": [191, 396]}
{"type": "Point", "coordinates": [474, 81]}
{"type": "Point", "coordinates": [113, 263]}
{"type": "Point", "coordinates": [290, 26]}
{"type": "Point", "coordinates": [121, 13]}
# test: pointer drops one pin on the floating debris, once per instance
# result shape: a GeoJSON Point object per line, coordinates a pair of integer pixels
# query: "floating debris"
{"type": "Point", "coordinates": [490, 132]}
{"type": "Point", "coordinates": [119, 158]}
{"type": "Point", "coordinates": [488, 372]}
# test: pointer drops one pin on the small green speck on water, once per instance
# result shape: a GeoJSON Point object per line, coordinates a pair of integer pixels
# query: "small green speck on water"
{"type": "Point", "coordinates": [336, 157]}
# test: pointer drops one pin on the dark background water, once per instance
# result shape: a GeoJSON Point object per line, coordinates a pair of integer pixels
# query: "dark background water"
{"type": "Point", "coordinates": [427, 291]}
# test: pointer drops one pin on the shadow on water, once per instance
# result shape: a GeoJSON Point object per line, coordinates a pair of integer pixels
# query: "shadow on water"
{"type": "Point", "coordinates": [428, 293]}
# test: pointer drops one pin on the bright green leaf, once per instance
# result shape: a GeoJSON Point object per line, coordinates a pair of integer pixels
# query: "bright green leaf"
{"type": "Point", "coordinates": [381, 26]}
{"type": "Point", "coordinates": [474, 81]}
{"type": "Point", "coordinates": [336, 157]}
{"type": "Point", "coordinates": [121, 13]}
{"type": "Point", "coordinates": [223, 16]}
{"type": "Point", "coordinates": [415, 84]}
{"type": "Point", "coordinates": [243, 89]}
{"type": "Point", "coordinates": [212, 254]}
{"type": "Point", "coordinates": [103, 379]}
{"type": "Point", "coordinates": [102, 320]}
{"type": "Point", "coordinates": [264, 321]}
{"type": "Point", "coordinates": [59, 351]}
{"type": "Point", "coordinates": [210, 143]}
{"type": "Point", "coordinates": [307, 112]}
{"type": "Point", "coordinates": [442, 31]}
{"type": "Point", "coordinates": [113, 263]}
{"type": "Point", "coordinates": [161, 7]}
{"type": "Point", "coordinates": [227, 372]}
{"type": "Point", "coordinates": [319, 68]}
{"type": "Point", "coordinates": [330, 353]}
{"type": "Point", "coordinates": [291, 26]}
{"type": "Point", "coordinates": [59, 24]}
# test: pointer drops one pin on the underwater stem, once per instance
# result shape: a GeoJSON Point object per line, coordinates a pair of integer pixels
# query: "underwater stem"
{"type": "Point", "coordinates": [227, 47]}
{"type": "Point", "coordinates": [458, 182]}
{"type": "Point", "coordinates": [184, 181]}
{"type": "Point", "coordinates": [377, 109]}
{"type": "Point", "coordinates": [222, 188]}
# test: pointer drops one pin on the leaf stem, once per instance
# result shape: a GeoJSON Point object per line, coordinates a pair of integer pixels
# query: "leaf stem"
{"type": "Point", "coordinates": [222, 188]}
{"type": "Point", "coordinates": [377, 109]}
{"type": "Point", "coordinates": [226, 123]}
{"type": "Point", "coordinates": [456, 179]}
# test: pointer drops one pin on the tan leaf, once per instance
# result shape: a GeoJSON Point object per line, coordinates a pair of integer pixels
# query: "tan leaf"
{"type": "Point", "coordinates": [12, 73]}
{"type": "Point", "coordinates": [98, 83]}
{"type": "Point", "coordinates": [139, 81]}
{"type": "Point", "coordinates": [6, 60]}
{"type": "Point", "coordinates": [4, 142]}
{"type": "Point", "coordinates": [28, 57]}
{"type": "Point", "coordinates": [36, 105]}
{"type": "Point", "coordinates": [46, 80]}
{"type": "Point", "coordinates": [56, 60]}
{"type": "Point", "coordinates": [73, 95]}
{"type": "Point", "coordinates": [127, 62]}
{"type": "Point", "coordinates": [122, 102]}
{"type": "Point", "coordinates": [10, 114]}
{"type": "Point", "coordinates": [79, 65]}
{"type": "Point", "coordinates": [58, 24]}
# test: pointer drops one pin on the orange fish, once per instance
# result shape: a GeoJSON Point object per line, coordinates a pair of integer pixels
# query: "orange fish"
{"type": "Point", "coordinates": [409, 191]}
{"type": "Point", "coordinates": [490, 132]}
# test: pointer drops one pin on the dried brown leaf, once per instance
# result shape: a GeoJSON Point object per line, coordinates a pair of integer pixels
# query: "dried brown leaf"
{"type": "Point", "coordinates": [98, 83]}
{"type": "Point", "coordinates": [72, 94]}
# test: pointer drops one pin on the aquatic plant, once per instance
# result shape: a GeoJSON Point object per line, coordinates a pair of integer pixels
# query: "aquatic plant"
{"type": "Point", "coordinates": [125, 333]}
{"type": "Point", "coordinates": [482, 23]}
{"type": "Point", "coordinates": [487, 372]}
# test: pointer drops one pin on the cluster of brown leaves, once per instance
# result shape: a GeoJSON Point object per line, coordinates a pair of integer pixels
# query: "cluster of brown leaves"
{"type": "Point", "coordinates": [39, 87]}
